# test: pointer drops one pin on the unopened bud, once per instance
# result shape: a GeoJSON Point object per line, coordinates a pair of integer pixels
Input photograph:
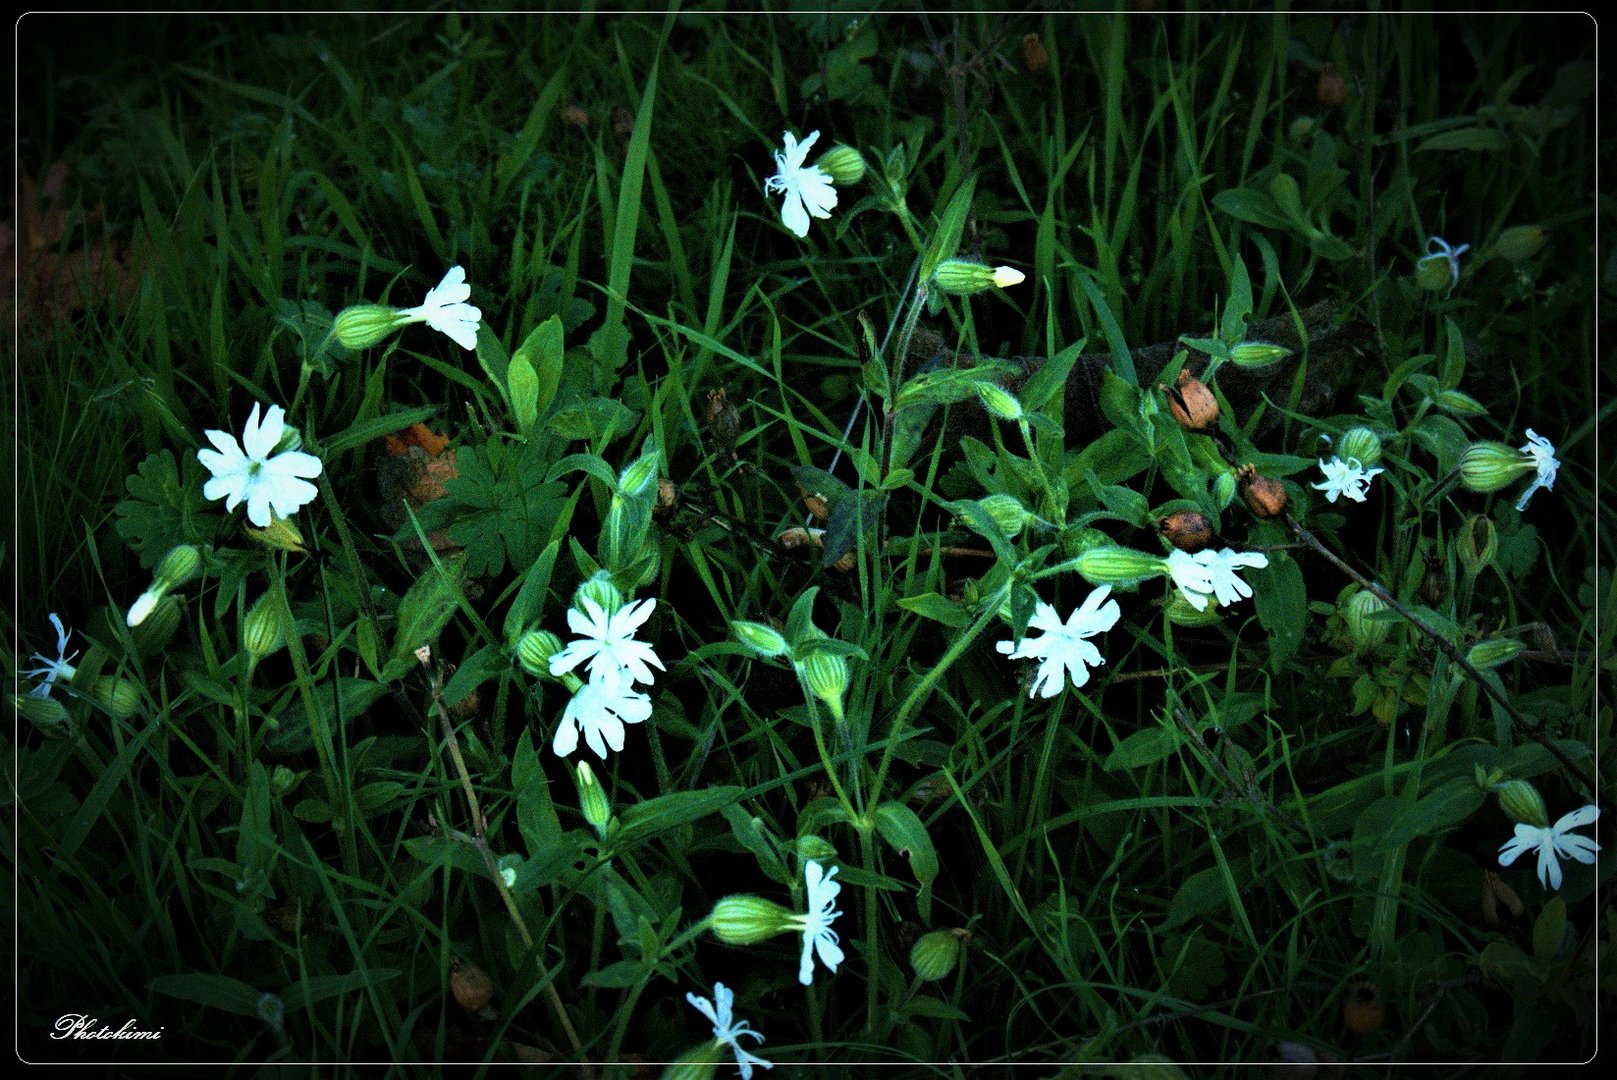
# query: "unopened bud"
{"type": "Point", "coordinates": [1360, 444]}
{"type": "Point", "coordinates": [364, 325]}
{"type": "Point", "coordinates": [843, 164]}
{"type": "Point", "coordinates": [935, 954]}
{"type": "Point", "coordinates": [279, 534]}
{"type": "Point", "coordinates": [600, 589]}
{"type": "Point", "coordinates": [1266, 498]}
{"type": "Point", "coordinates": [120, 697]}
{"type": "Point", "coordinates": [960, 277]}
{"type": "Point", "coordinates": [157, 627]}
{"type": "Point", "coordinates": [1186, 530]}
{"type": "Point", "coordinates": [1113, 565]}
{"type": "Point", "coordinates": [1254, 354]}
{"type": "Point", "coordinates": [1224, 490]}
{"type": "Point", "coordinates": [282, 781]}
{"type": "Point", "coordinates": [1489, 466]}
{"type": "Point", "coordinates": [1522, 803]}
{"type": "Point", "coordinates": [1008, 513]}
{"type": "Point", "coordinates": [1493, 652]}
{"type": "Point", "coordinates": [1000, 402]}
{"type": "Point", "coordinates": [534, 650]}
{"type": "Point", "coordinates": [761, 639]}
{"type": "Point", "coordinates": [592, 799]}
{"type": "Point", "coordinates": [181, 564]}
{"type": "Point", "coordinates": [1519, 243]}
{"type": "Point", "coordinates": [45, 713]}
{"type": "Point", "coordinates": [639, 476]}
{"type": "Point", "coordinates": [700, 1063]}
{"type": "Point", "coordinates": [1366, 627]}
{"type": "Point", "coordinates": [1459, 403]}
{"type": "Point", "coordinates": [815, 848]}
{"type": "Point", "coordinates": [1479, 543]}
{"type": "Point", "coordinates": [1192, 404]}
{"type": "Point", "coordinates": [826, 676]}
{"type": "Point", "coordinates": [747, 920]}
{"type": "Point", "coordinates": [264, 629]}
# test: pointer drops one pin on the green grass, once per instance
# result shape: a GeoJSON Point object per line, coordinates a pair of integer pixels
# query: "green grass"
{"type": "Point", "coordinates": [1198, 858]}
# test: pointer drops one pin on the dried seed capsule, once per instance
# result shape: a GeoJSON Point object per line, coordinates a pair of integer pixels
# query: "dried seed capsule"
{"type": "Point", "coordinates": [1266, 498]}
{"type": "Point", "coordinates": [471, 985]}
{"type": "Point", "coordinates": [1192, 404]}
{"type": "Point", "coordinates": [1363, 1011]}
{"type": "Point", "coordinates": [1187, 530]}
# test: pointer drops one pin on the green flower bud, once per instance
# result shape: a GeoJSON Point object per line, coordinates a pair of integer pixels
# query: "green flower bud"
{"type": "Point", "coordinates": [264, 629]}
{"type": "Point", "coordinates": [641, 475]}
{"type": "Point", "coordinates": [534, 650]}
{"type": "Point", "coordinates": [1182, 612]}
{"type": "Point", "coordinates": [761, 639]}
{"type": "Point", "coordinates": [1479, 543]}
{"type": "Point", "coordinates": [698, 1064]}
{"type": "Point", "coordinates": [1008, 513]}
{"type": "Point", "coordinates": [960, 277]}
{"type": "Point", "coordinates": [936, 954]}
{"type": "Point", "coordinates": [747, 920]}
{"type": "Point", "coordinates": [1224, 490]}
{"type": "Point", "coordinates": [1434, 273]}
{"type": "Point", "coordinates": [816, 848]}
{"type": "Point", "coordinates": [1493, 652]}
{"type": "Point", "coordinates": [181, 564]}
{"type": "Point", "coordinates": [826, 676]}
{"type": "Point", "coordinates": [592, 799]}
{"type": "Point", "coordinates": [291, 440]}
{"type": "Point", "coordinates": [843, 164]}
{"type": "Point", "coordinates": [1000, 402]}
{"type": "Point", "coordinates": [1254, 354]}
{"type": "Point", "coordinates": [120, 697]}
{"type": "Point", "coordinates": [1489, 466]}
{"type": "Point", "coordinates": [157, 628]}
{"type": "Point", "coordinates": [1366, 629]}
{"type": "Point", "coordinates": [1486, 780]}
{"type": "Point", "coordinates": [1460, 404]}
{"type": "Point", "coordinates": [600, 589]}
{"type": "Point", "coordinates": [1301, 131]}
{"type": "Point", "coordinates": [1360, 444]}
{"type": "Point", "coordinates": [1519, 243]}
{"type": "Point", "coordinates": [282, 781]}
{"type": "Point", "coordinates": [1522, 802]}
{"type": "Point", "coordinates": [45, 713]}
{"type": "Point", "coordinates": [364, 325]}
{"type": "Point", "coordinates": [507, 867]}
{"type": "Point", "coordinates": [1114, 565]}
{"type": "Point", "coordinates": [280, 534]}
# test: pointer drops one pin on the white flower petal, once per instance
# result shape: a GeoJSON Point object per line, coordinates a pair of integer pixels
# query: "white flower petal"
{"type": "Point", "coordinates": [246, 471]}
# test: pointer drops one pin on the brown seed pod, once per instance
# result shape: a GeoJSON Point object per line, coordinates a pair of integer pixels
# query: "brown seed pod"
{"type": "Point", "coordinates": [1266, 498]}
{"type": "Point", "coordinates": [1187, 530]}
{"type": "Point", "coordinates": [1331, 89]}
{"type": "Point", "coordinates": [1034, 55]}
{"type": "Point", "coordinates": [1192, 403]}
{"type": "Point", "coordinates": [1496, 892]}
{"type": "Point", "coordinates": [1363, 1011]}
{"type": "Point", "coordinates": [574, 116]}
{"type": "Point", "coordinates": [471, 985]}
{"type": "Point", "coordinates": [667, 496]}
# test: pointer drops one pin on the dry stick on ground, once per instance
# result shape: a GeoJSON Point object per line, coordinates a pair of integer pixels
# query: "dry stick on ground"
{"type": "Point", "coordinates": [479, 842]}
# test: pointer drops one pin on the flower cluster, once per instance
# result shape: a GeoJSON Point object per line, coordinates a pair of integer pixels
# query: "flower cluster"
{"type": "Point", "coordinates": [616, 661]}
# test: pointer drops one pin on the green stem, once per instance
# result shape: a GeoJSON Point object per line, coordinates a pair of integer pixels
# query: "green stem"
{"type": "Point", "coordinates": [867, 856]}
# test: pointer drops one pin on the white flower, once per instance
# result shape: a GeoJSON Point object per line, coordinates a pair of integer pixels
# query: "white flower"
{"type": "Point", "coordinates": [1195, 581]}
{"type": "Point", "coordinates": [267, 483]}
{"type": "Point", "coordinates": [600, 708]}
{"type": "Point", "coordinates": [608, 642]}
{"type": "Point", "coordinates": [1348, 478]}
{"type": "Point", "coordinates": [726, 1030]}
{"type": "Point", "coordinates": [1558, 839]}
{"type": "Point", "coordinates": [1437, 247]}
{"type": "Point", "coordinates": [1221, 567]}
{"type": "Point", "coordinates": [807, 190]}
{"type": "Point", "coordinates": [1543, 454]}
{"type": "Point", "coordinates": [51, 670]}
{"type": "Point", "coordinates": [817, 933]}
{"type": "Point", "coordinates": [447, 311]}
{"type": "Point", "coordinates": [1062, 647]}
{"type": "Point", "coordinates": [144, 605]}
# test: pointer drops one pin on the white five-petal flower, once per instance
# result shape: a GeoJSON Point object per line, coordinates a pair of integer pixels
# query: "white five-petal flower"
{"type": "Point", "coordinates": [1348, 478]}
{"type": "Point", "coordinates": [599, 709]}
{"type": "Point", "coordinates": [245, 470]}
{"type": "Point", "coordinates": [1221, 567]}
{"type": "Point", "coordinates": [726, 1030]}
{"type": "Point", "coordinates": [1558, 839]}
{"type": "Point", "coordinates": [1062, 649]}
{"type": "Point", "coordinates": [51, 670]}
{"type": "Point", "coordinates": [1543, 454]}
{"type": "Point", "coordinates": [1193, 579]}
{"type": "Point", "coordinates": [808, 190]}
{"type": "Point", "coordinates": [446, 310]}
{"type": "Point", "coordinates": [818, 937]}
{"type": "Point", "coordinates": [607, 642]}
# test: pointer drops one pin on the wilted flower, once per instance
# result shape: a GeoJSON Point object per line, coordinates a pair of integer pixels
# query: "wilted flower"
{"type": "Point", "coordinates": [818, 937]}
{"type": "Point", "coordinates": [1558, 839]}
{"type": "Point", "coordinates": [446, 310]}
{"type": "Point", "coordinates": [1061, 649]}
{"type": "Point", "coordinates": [1348, 478]}
{"type": "Point", "coordinates": [808, 189]}
{"type": "Point", "coordinates": [51, 670]}
{"type": "Point", "coordinates": [726, 1030]}
{"type": "Point", "coordinates": [246, 471]}
{"type": "Point", "coordinates": [1543, 455]}
{"type": "Point", "coordinates": [1440, 255]}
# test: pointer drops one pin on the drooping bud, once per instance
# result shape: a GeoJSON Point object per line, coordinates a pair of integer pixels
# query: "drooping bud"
{"type": "Point", "coordinates": [120, 697]}
{"type": "Point", "coordinates": [747, 920]}
{"type": "Point", "coordinates": [1366, 629]}
{"type": "Point", "coordinates": [364, 325]}
{"type": "Point", "coordinates": [264, 628]}
{"type": "Point", "coordinates": [179, 565]}
{"type": "Point", "coordinates": [1489, 466]}
{"type": "Point", "coordinates": [1266, 498]}
{"type": "Point", "coordinates": [1256, 354]}
{"type": "Point", "coordinates": [1008, 513]}
{"type": "Point", "coordinates": [934, 955]}
{"type": "Point", "coordinates": [592, 799]}
{"type": "Point", "coordinates": [1191, 403]}
{"type": "Point", "coordinates": [1112, 565]}
{"type": "Point", "coordinates": [1360, 444]}
{"type": "Point", "coordinates": [701, 1063]}
{"type": "Point", "coordinates": [1495, 891]}
{"type": "Point", "coordinates": [1301, 131]}
{"type": "Point", "coordinates": [279, 534]}
{"type": "Point", "coordinates": [1478, 543]}
{"type": "Point", "coordinates": [1522, 803]}
{"type": "Point", "coordinates": [1223, 490]}
{"type": "Point", "coordinates": [826, 676]}
{"type": "Point", "coordinates": [600, 589]}
{"type": "Point", "coordinates": [1459, 403]}
{"type": "Point", "coordinates": [760, 638]}
{"type": "Point", "coordinates": [1493, 652]}
{"type": "Point", "coordinates": [45, 713]}
{"type": "Point", "coordinates": [1186, 530]}
{"type": "Point", "coordinates": [843, 164]}
{"type": "Point", "coordinates": [1182, 612]}
{"type": "Point", "coordinates": [1519, 243]}
{"type": "Point", "coordinates": [815, 848]}
{"type": "Point", "coordinates": [282, 781]}
{"type": "Point", "coordinates": [534, 650]}
{"type": "Point", "coordinates": [961, 277]}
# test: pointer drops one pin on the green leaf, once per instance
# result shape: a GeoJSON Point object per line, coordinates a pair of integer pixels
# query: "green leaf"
{"type": "Point", "coordinates": [658, 815]}
{"type": "Point", "coordinates": [524, 393]}
{"type": "Point", "coordinates": [600, 420]}
{"type": "Point", "coordinates": [1252, 205]}
{"type": "Point", "coordinates": [1550, 932]}
{"type": "Point", "coordinates": [1043, 385]}
{"type": "Point", "coordinates": [163, 510]}
{"type": "Point", "coordinates": [543, 351]}
{"type": "Point", "coordinates": [1199, 894]}
{"type": "Point", "coordinates": [1483, 139]}
{"type": "Point", "coordinates": [215, 991]}
{"type": "Point", "coordinates": [903, 829]}
{"type": "Point", "coordinates": [1144, 747]}
{"type": "Point", "coordinates": [938, 608]}
{"type": "Point", "coordinates": [312, 988]}
{"type": "Point", "coordinates": [500, 507]}
{"type": "Point", "coordinates": [1281, 599]}
{"type": "Point", "coordinates": [620, 975]}
{"type": "Point", "coordinates": [428, 606]}
{"type": "Point", "coordinates": [946, 240]}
